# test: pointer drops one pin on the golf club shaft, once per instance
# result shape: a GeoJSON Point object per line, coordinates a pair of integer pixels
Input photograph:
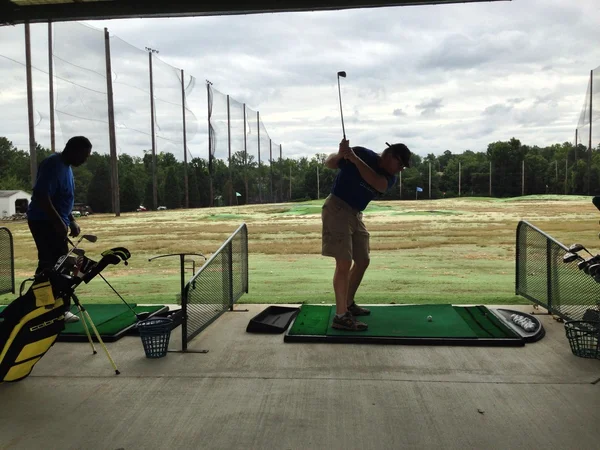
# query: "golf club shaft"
{"type": "Point", "coordinates": [119, 295]}
{"type": "Point", "coordinates": [341, 110]}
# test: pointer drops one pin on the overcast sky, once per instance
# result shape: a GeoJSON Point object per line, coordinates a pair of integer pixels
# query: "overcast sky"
{"type": "Point", "coordinates": [447, 77]}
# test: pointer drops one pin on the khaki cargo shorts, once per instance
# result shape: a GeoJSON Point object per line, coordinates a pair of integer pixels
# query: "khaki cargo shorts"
{"type": "Point", "coordinates": [344, 233]}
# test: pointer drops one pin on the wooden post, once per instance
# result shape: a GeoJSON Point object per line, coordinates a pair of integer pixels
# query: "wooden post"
{"type": "Point", "coordinates": [114, 164]}
{"type": "Point", "coordinates": [32, 145]}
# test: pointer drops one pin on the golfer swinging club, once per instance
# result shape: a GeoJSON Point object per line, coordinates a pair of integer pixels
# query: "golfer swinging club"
{"type": "Point", "coordinates": [363, 175]}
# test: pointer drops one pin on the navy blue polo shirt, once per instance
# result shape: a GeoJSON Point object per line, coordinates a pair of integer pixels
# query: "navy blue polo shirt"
{"type": "Point", "coordinates": [350, 186]}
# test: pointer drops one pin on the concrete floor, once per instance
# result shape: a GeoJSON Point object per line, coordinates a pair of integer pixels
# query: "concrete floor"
{"type": "Point", "coordinates": [257, 392]}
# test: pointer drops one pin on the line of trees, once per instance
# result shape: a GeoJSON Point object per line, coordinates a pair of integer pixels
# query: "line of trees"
{"type": "Point", "coordinates": [556, 169]}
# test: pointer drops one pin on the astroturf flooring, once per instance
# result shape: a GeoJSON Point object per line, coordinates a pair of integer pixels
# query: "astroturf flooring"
{"type": "Point", "coordinates": [448, 321]}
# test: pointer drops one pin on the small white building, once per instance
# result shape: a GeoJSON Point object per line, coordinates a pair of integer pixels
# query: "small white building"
{"type": "Point", "coordinates": [13, 202]}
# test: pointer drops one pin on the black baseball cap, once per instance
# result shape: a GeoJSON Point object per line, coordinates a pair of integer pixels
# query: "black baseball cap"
{"type": "Point", "coordinates": [400, 151]}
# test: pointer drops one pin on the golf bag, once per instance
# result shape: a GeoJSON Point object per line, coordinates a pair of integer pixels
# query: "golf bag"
{"type": "Point", "coordinates": [29, 326]}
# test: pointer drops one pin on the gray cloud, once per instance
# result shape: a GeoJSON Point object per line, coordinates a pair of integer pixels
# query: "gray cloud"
{"type": "Point", "coordinates": [398, 112]}
{"type": "Point", "coordinates": [430, 107]}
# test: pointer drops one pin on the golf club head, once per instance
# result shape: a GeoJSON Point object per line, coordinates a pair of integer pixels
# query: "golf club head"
{"type": "Point", "coordinates": [79, 251]}
{"type": "Point", "coordinates": [575, 248]}
{"type": "Point", "coordinates": [570, 257]}
{"type": "Point", "coordinates": [341, 74]}
{"type": "Point", "coordinates": [89, 237]}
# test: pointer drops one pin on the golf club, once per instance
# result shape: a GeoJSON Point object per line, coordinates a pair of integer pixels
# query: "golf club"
{"type": "Point", "coordinates": [577, 248]}
{"type": "Point", "coordinates": [343, 75]}
{"type": "Point", "coordinates": [139, 316]}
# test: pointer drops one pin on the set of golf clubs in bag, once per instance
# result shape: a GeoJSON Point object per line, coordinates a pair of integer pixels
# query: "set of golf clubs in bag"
{"type": "Point", "coordinates": [591, 265]}
{"type": "Point", "coordinates": [30, 324]}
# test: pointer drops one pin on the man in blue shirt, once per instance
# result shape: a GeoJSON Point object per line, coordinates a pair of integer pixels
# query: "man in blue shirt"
{"type": "Point", "coordinates": [50, 212]}
{"type": "Point", "coordinates": [363, 175]}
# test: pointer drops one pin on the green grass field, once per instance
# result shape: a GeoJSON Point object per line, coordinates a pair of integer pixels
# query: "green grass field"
{"type": "Point", "coordinates": [459, 251]}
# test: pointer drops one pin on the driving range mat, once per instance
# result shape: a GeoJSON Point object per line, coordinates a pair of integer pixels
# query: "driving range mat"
{"type": "Point", "coordinates": [408, 324]}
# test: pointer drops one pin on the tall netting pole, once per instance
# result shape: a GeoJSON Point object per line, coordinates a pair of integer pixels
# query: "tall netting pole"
{"type": "Point", "coordinates": [51, 89]}
{"type": "Point", "coordinates": [280, 173]}
{"type": "Point", "coordinates": [185, 158]}
{"type": "Point", "coordinates": [32, 152]}
{"type": "Point", "coordinates": [245, 156]}
{"type": "Point", "coordinates": [260, 200]}
{"type": "Point", "coordinates": [590, 139]}
{"type": "Point", "coordinates": [230, 189]}
{"type": "Point", "coordinates": [114, 163]}
{"type": "Point", "coordinates": [210, 143]}
{"type": "Point", "coordinates": [152, 116]}
{"type": "Point", "coordinates": [271, 168]}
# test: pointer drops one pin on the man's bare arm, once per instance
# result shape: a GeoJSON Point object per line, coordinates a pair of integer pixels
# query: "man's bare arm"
{"type": "Point", "coordinates": [332, 160]}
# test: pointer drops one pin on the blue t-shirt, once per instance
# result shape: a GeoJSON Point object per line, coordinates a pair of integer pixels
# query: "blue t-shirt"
{"type": "Point", "coordinates": [350, 186]}
{"type": "Point", "coordinates": [54, 178]}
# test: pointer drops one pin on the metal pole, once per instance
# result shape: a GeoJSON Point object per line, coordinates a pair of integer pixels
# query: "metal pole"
{"type": "Point", "coordinates": [490, 178]}
{"type": "Point", "coordinates": [523, 177]}
{"type": "Point", "coordinates": [459, 175]}
{"type": "Point", "coordinates": [290, 199]}
{"type": "Point", "coordinates": [114, 178]}
{"type": "Point", "coordinates": [400, 184]}
{"type": "Point", "coordinates": [576, 142]}
{"type": "Point", "coordinates": [430, 180]}
{"type": "Point", "coordinates": [32, 145]}
{"type": "Point", "coordinates": [229, 150]}
{"type": "Point", "coordinates": [271, 167]}
{"type": "Point", "coordinates": [280, 172]}
{"type": "Point", "coordinates": [589, 165]}
{"type": "Point", "coordinates": [185, 160]}
{"type": "Point", "coordinates": [154, 174]}
{"type": "Point", "coordinates": [259, 174]}
{"type": "Point", "coordinates": [566, 173]}
{"type": "Point", "coordinates": [210, 149]}
{"type": "Point", "coordinates": [318, 186]}
{"type": "Point", "coordinates": [245, 156]}
{"type": "Point", "coordinates": [51, 86]}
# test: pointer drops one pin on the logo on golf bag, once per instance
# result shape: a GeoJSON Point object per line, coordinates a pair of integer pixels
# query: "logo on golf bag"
{"type": "Point", "coordinates": [47, 323]}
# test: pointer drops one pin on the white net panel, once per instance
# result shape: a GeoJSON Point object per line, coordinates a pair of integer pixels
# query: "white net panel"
{"type": "Point", "coordinates": [81, 100]}
{"type": "Point", "coordinates": [14, 122]}
{"type": "Point", "coordinates": [131, 98]}
{"type": "Point", "coordinates": [196, 118]}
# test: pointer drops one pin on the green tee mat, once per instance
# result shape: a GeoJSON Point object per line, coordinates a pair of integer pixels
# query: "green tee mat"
{"type": "Point", "coordinates": [407, 324]}
{"type": "Point", "coordinates": [112, 321]}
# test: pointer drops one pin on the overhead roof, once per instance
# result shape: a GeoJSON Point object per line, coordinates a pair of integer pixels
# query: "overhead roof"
{"type": "Point", "coordinates": [20, 11]}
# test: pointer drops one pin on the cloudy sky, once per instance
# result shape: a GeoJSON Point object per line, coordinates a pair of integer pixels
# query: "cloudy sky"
{"type": "Point", "coordinates": [450, 77]}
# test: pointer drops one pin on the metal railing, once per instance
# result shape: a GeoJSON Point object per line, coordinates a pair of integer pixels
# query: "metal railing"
{"type": "Point", "coordinates": [543, 278]}
{"type": "Point", "coordinates": [217, 286]}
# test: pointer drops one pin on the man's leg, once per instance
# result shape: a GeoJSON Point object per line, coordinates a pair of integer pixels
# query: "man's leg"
{"type": "Point", "coordinates": [356, 275]}
{"type": "Point", "coordinates": [361, 250]}
{"type": "Point", "coordinates": [341, 284]}
{"type": "Point", "coordinates": [337, 243]}
{"type": "Point", "coordinates": [51, 247]}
